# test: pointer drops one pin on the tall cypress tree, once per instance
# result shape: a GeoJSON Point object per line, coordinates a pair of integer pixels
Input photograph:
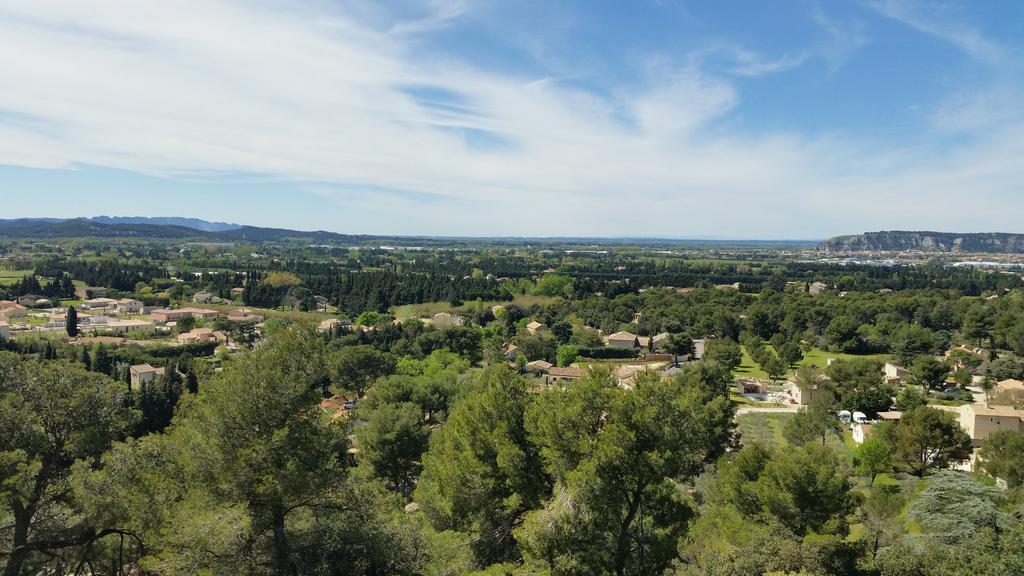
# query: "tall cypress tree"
{"type": "Point", "coordinates": [86, 359]}
{"type": "Point", "coordinates": [101, 360]}
{"type": "Point", "coordinates": [71, 322]}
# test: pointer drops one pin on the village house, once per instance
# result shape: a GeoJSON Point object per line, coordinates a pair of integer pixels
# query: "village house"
{"type": "Point", "coordinates": [99, 304]}
{"type": "Point", "coordinates": [443, 320]}
{"type": "Point", "coordinates": [510, 352]}
{"type": "Point", "coordinates": [97, 320]}
{"type": "Point", "coordinates": [143, 374]}
{"type": "Point", "coordinates": [124, 327]}
{"type": "Point", "coordinates": [165, 315]}
{"type": "Point", "coordinates": [9, 309]}
{"type": "Point", "coordinates": [657, 341]}
{"type": "Point", "coordinates": [802, 396]}
{"type": "Point", "coordinates": [1008, 392]}
{"type": "Point", "coordinates": [244, 316]}
{"type": "Point", "coordinates": [1008, 385]}
{"type": "Point", "coordinates": [236, 292]}
{"type": "Point", "coordinates": [563, 375]}
{"type": "Point", "coordinates": [895, 374]}
{"type": "Point", "coordinates": [626, 375]}
{"type": "Point", "coordinates": [538, 366]}
{"type": "Point", "coordinates": [129, 306]}
{"type": "Point", "coordinates": [981, 421]}
{"type": "Point", "coordinates": [817, 288]}
{"type": "Point", "coordinates": [330, 324]}
{"type": "Point", "coordinates": [622, 341]}
{"type": "Point", "coordinates": [534, 327]}
{"type": "Point", "coordinates": [202, 297]}
{"type": "Point", "coordinates": [199, 336]}
{"type": "Point", "coordinates": [34, 301]}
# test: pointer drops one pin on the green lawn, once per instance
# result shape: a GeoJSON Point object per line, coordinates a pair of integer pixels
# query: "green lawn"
{"type": "Point", "coordinates": [9, 277]}
{"type": "Point", "coordinates": [766, 428]}
{"type": "Point", "coordinates": [816, 356]}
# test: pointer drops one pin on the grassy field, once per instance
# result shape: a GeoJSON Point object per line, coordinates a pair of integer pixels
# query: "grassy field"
{"type": "Point", "coordinates": [9, 277]}
{"type": "Point", "coordinates": [766, 428]}
{"type": "Point", "coordinates": [816, 356]}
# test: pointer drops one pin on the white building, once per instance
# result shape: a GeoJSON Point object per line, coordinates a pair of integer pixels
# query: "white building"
{"type": "Point", "coordinates": [144, 373]}
{"type": "Point", "coordinates": [129, 306]}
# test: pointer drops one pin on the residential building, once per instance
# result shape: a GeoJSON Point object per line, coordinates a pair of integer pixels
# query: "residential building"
{"type": "Point", "coordinates": [534, 327]}
{"type": "Point", "coordinates": [804, 396]}
{"type": "Point", "coordinates": [99, 303]}
{"type": "Point", "coordinates": [538, 366]}
{"type": "Point", "coordinates": [895, 374]}
{"type": "Point", "coordinates": [179, 313]}
{"type": "Point", "coordinates": [125, 327]}
{"type": "Point", "coordinates": [129, 306]}
{"type": "Point", "coordinates": [244, 316]}
{"type": "Point", "coordinates": [698, 348]}
{"type": "Point", "coordinates": [981, 421]}
{"type": "Point", "coordinates": [563, 375]}
{"type": "Point", "coordinates": [236, 293]}
{"type": "Point", "coordinates": [330, 324]}
{"type": "Point", "coordinates": [442, 320]}
{"type": "Point", "coordinates": [1008, 385]}
{"type": "Point", "coordinates": [753, 386]}
{"type": "Point", "coordinates": [622, 341]}
{"type": "Point", "coordinates": [198, 336]}
{"type": "Point", "coordinates": [202, 297]}
{"type": "Point", "coordinates": [10, 309]}
{"type": "Point", "coordinates": [817, 288]}
{"type": "Point", "coordinates": [658, 340]}
{"type": "Point", "coordinates": [1008, 392]}
{"type": "Point", "coordinates": [144, 373]}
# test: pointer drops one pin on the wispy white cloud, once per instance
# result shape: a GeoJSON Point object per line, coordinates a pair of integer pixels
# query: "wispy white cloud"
{"type": "Point", "coordinates": [440, 13]}
{"type": "Point", "coordinates": [843, 38]}
{"type": "Point", "coordinates": [944, 22]}
{"type": "Point", "coordinates": [359, 112]}
{"type": "Point", "coordinates": [736, 60]}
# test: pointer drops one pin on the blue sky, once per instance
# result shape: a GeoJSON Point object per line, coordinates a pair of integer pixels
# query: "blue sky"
{"type": "Point", "coordinates": [783, 119]}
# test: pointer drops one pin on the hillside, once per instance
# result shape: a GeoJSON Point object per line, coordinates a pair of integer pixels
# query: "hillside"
{"type": "Point", "coordinates": [924, 241]}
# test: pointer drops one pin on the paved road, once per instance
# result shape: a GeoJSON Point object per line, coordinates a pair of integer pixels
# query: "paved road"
{"type": "Point", "coordinates": [979, 395]}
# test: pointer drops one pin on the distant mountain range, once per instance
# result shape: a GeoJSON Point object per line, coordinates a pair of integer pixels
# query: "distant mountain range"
{"type": "Point", "coordinates": [170, 228]}
{"type": "Point", "coordinates": [922, 241]}
{"type": "Point", "coordinates": [195, 223]}
{"type": "Point", "coordinates": [203, 230]}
